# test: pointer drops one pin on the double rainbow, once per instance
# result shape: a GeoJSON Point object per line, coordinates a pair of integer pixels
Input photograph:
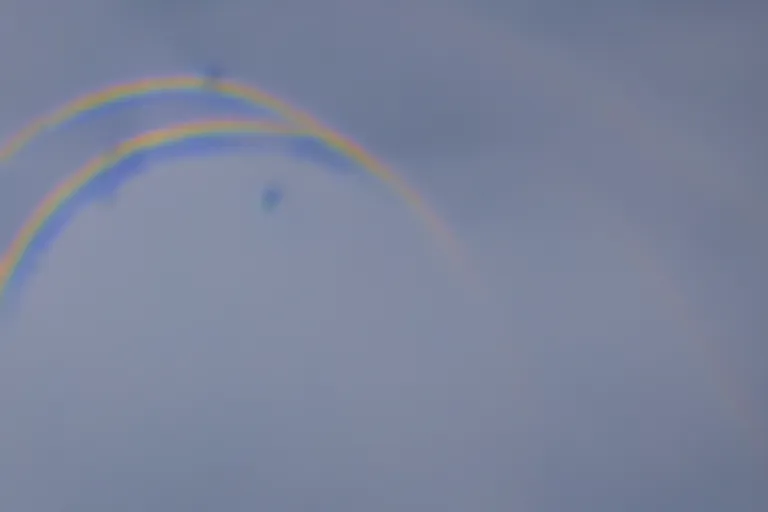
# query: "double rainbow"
{"type": "Point", "coordinates": [296, 123]}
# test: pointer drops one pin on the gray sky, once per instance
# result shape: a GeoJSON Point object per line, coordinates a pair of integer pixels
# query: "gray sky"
{"type": "Point", "coordinates": [178, 350]}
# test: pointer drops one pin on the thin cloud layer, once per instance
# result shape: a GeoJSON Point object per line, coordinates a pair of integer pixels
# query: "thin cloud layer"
{"type": "Point", "coordinates": [604, 170]}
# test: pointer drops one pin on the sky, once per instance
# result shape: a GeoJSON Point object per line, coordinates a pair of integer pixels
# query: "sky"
{"type": "Point", "coordinates": [602, 349]}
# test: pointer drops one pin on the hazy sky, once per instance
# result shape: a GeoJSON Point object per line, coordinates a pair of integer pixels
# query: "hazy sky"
{"type": "Point", "coordinates": [603, 165]}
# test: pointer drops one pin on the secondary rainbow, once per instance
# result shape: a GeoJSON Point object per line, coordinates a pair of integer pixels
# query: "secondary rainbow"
{"type": "Point", "coordinates": [205, 129]}
{"type": "Point", "coordinates": [147, 86]}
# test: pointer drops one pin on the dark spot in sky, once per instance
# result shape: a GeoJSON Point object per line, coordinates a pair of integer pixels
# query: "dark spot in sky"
{"type": "Point", "coordinates": [271, 197]}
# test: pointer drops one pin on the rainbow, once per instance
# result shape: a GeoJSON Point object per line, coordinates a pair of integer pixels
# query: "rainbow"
{"type": "Point", "coordinates": [65, 193]}
{"type": "Point", "coordinates": [227, 88]}
{"type": "Point", "coordinates": [299, 123]}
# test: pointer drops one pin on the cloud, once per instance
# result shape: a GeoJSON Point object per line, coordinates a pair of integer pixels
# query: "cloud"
{"type": "Point", "coordinates": [604, 174]}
